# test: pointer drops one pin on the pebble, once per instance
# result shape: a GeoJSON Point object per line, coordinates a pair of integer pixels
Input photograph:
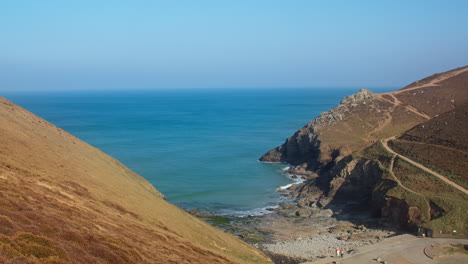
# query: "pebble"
{"type": "Point", "coordinates": [311, 247]}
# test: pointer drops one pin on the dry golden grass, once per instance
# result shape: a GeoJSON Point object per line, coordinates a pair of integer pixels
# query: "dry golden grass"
{"type": "Point", "coordinates": [64, 201]}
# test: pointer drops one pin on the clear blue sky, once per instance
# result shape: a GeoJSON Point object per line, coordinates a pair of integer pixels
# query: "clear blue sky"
{"type": "Point", "coordinates": [98, 44]}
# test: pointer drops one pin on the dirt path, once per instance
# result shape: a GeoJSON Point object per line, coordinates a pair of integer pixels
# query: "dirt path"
{"type": "Point", "coordinates": [434, 82]}
{"type": "Point", "coordinates": [397, 102]}
{"type": "Point", "coordinates": [387, 121]}
{"type": "Point", "coordinates": [416, 111]}
{"type": "Point", "coordinates": [390, 168]}
{"type": "Point", "coordinates": [385, 144]}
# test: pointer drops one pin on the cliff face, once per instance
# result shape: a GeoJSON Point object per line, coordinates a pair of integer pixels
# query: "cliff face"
{"type": "Point", "coordinates": [360, 120]}
{"type": "Point", "coordinates": [348, 179]}
{"type": "Point", "coordinates": [305, 145]}
{"type": "Point", "coordinates": [342, 145]}
{"type": "Point", "coordinates": [64, 201]}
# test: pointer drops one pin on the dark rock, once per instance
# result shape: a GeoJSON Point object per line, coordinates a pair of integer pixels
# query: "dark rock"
{"type": "Point", "coordinates": [304, 212]}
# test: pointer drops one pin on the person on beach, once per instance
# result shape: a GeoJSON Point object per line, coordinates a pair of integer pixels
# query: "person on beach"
{"type": "Point", "coordinates": [341, 253]}
{"type": "Point", "coordinates": [337, 252]}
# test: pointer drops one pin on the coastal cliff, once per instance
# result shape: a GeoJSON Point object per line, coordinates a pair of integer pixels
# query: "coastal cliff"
{"type": "Point", "coordinates": [342, 156]}
{"type": "Point", "coordinates": [64, 201]}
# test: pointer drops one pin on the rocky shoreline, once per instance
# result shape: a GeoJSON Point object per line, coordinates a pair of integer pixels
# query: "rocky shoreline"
{"type": "Point", "coordinates": [295, 233]}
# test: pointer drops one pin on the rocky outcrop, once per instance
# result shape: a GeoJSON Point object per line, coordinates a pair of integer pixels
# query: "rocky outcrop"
{"type": "Point", "coordinates": [348, 180]}
{"type": "Point", "coordinates": [402, 213]}
{"type": "Point", "coordinates": [305, 146]}
{"type": "Point", "coordinates": [361, 97]}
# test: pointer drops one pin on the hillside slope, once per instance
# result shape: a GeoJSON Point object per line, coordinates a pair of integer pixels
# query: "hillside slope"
{"type": "Point", "coordinates": [64, 201]}
{"type": "Point", "coordinates": [343, 154]}
{"type": "Point", "coordinates": [365, 118]}
{"type": "Point", "coordinates": [422, 182]}
{"type": "Point", "coordinates": [440, 144]}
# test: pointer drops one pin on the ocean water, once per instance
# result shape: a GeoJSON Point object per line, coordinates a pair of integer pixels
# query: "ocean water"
{"type": "Point", "coordinates": [200, 148]}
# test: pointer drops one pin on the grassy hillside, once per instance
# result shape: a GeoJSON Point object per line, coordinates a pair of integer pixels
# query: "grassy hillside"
{"type": "Point", "coordinates": [442, 207]}
{"type": "Point", "coordinates": [440, 144]}
{"type": "Point", "coordinates": [428, 201]}
{"type": "Point", "coordinates": [64, 201]}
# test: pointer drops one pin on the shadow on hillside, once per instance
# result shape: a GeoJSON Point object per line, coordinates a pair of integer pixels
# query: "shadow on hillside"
{"type": "Point", "coordinates": [362, 216]}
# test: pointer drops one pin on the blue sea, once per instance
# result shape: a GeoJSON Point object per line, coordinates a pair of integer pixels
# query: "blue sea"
{"type": "Point", "coordinates": [200, 148]}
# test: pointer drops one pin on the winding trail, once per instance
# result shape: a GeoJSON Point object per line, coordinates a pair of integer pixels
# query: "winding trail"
{"type": "Point", "coordinates": [388, 119]}
{"type": "Point", "coordinates": [390, 168]}
{"type": "Point", "coordinates": [396, 102]}
{"type": "Point", "coordinates": [420, 166]}
{"type": "Point", "coordinates": [398, 180]}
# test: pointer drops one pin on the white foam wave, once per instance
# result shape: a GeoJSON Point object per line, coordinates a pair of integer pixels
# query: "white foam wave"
{"type": "Point", "coordinates": [285, 187]}
{"type": "Point", "coordinates": [292, 177]}
{"type": "Point", "coordinates": [270, 162]}
{"type": "Point", "coordinates": [251, 212]}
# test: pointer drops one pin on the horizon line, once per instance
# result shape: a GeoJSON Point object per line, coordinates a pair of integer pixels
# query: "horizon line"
{"type": "Point", "coordinates": [195, 89]}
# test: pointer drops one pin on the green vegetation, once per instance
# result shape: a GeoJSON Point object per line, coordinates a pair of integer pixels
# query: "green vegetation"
{"type": "Point", "coordinates": [453, 249]}
{"type": "Point", "coordinates": [413, 199]}
{"type": "Point", "coordinates": [238, 226]}
{"type": "Point", "coordinates": [218, 220]}
{"type": "Point", "coordinates": [375, 152]}
{"type": "Point", "coordinates": [440, 207]}
{"type": "Point", "coordinates": [455, 217]}
{"type": "Point", "coordinates": [449, 162]}
{"type": "Point", "coordinates": [429, 188]}
{"type": "Point", "coordinates": [423, 182]}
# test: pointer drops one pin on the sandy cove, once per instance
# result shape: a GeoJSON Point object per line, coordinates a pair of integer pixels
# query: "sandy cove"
{"type": "Point", "coordinates": [289, 237]}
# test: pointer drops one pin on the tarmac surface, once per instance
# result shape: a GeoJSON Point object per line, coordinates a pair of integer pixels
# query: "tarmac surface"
{"type": "Point", "coordinates": [402, 249]}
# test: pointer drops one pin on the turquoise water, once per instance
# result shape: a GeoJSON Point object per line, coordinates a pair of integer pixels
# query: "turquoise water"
{"type": "Point", "coordinates": [198, 147]}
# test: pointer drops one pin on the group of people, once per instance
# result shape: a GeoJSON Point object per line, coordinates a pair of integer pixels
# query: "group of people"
{"type": "Point", "coordinates": [339, 253]}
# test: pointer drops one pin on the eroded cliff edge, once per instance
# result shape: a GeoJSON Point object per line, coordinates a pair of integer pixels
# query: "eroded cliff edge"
{"type": "Point", "coordinates": [342, 156]}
